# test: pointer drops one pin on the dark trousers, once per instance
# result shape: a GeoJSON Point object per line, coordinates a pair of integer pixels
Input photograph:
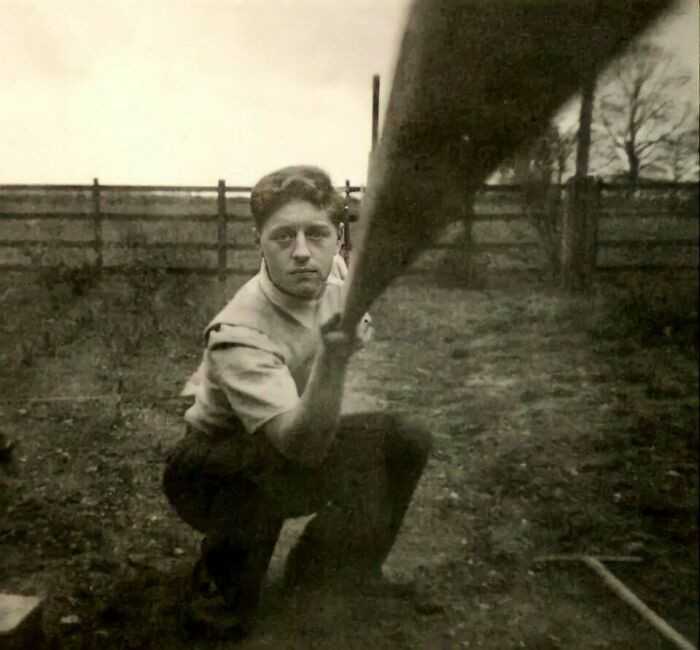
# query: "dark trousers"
{"type": "Point", "coordinates": [238, 490]}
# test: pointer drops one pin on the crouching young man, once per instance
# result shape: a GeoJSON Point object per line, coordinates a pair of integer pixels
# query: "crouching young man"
{"type": "Point", "coordinates": [265, 439]}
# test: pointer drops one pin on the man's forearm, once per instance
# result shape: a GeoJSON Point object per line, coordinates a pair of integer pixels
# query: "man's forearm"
{"type": "Point", "coordinates": [306, 433]}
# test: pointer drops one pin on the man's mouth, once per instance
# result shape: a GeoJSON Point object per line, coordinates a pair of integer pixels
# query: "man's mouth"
{"type": "Point", "coordinates": [305, 272]}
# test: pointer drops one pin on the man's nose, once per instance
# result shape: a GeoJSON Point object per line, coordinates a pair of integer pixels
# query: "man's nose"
{"type": "Point", "coordinates": [301, 250]}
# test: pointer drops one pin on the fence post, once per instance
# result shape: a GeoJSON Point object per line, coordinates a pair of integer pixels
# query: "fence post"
{"type": "Point", "coordinates": [347, 242]}
{"type": "Point", "coordinates": [221, 231]}
{"type": "Point", "coordinates": [467, 218]}
{"type": "Point", "coordinates": [580, 233]}
{"type": "Point", "coordinates": [97, 223]}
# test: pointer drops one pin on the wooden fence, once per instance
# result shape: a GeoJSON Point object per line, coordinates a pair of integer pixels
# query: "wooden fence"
{"type": "Point", "coordinates": [209, 229]}
{"type": "Point", "coordinates": [122, 228]}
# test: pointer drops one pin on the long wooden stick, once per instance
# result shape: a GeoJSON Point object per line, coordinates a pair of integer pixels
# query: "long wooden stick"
{"type": "Point", "coordinates": [648, 614]}
{"type": "Point", "coordinates": [580, 558]}
{"type": "Point", "coordinates": [595, 563]}
{"type": "Point", "coordinates": [63, 398]}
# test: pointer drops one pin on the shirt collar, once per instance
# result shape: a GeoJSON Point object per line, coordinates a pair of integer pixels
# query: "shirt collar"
{"type": "Point", "coordinates": [302, 310]}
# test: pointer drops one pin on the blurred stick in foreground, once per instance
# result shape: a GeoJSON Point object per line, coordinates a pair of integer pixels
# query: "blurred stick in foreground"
{"type": "Point", "coordinates": [475, 80]}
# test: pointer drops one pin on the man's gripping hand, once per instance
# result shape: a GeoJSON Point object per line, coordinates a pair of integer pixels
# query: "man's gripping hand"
{"type": "Point", "coordinates": [339, 343]}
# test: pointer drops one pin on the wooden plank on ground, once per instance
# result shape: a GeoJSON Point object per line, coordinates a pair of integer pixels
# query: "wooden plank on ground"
{"type": "Point", "coordinates": [21, 624]}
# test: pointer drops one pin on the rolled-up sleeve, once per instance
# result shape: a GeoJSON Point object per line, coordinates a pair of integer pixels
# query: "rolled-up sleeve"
{"type": "Point", "coordinates": [251, 372]}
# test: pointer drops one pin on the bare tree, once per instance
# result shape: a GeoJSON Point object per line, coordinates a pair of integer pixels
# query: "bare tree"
{"type": "Point", "coordinates": [540, 169]}
{"type": "Point", "coordinates": [544, 161]}
{"type": "Point", "coordinates": [639, 112]}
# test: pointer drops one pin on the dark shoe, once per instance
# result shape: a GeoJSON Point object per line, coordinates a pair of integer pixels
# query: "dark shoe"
{"type": "Point", "coordinates": [201, 582]}
{"type": "Point", "coordinates": [223, 593]}
{"type": "Point", "coordinates": [208, 617]}
{"type": "Point", "coordinates": [205, 613]}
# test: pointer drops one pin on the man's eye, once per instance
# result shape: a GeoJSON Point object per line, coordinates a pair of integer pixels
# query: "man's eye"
{"type": "Point", "coordinates": [316, 233]}
{"type": "Point", "coordinates": [283, 236]}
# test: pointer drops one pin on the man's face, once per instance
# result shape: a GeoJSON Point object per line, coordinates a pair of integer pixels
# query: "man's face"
{"type": "Point", "coordinates": [298, 242]}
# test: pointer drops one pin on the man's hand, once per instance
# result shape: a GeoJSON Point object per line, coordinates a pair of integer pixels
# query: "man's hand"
{"type": "Point", "coordinates": [337, 343]}
{"type": "Point", "coordinates": [365, 329]}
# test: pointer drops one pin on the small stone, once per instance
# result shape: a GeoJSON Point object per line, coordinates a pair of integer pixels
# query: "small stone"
{"type": "Point", "coordinates": [634, 547]}
{"type": "Point", "coordinates": [528, 396]}
{"type": "Point", "coordinates": [137, 559]}
{"type": "Point", "coordinates": [665, 387]}
{"type": "Point", "coordinates": [178, 552]}
{"type": "Point", "coordinates": [428, 606]}
{"type": "Point", "coordinates": [70, 621]}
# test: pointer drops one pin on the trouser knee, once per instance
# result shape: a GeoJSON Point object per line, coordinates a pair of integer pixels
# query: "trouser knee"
{"type": "Point", "coordinates": [188, 486]}
{"type": "Point", "coordinates": [408, 442]}
{"type": "Point", "coordinates": [177, 489]}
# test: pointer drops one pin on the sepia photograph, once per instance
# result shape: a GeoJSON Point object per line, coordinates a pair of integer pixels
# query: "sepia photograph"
{"type": "Point", "coordinates": [349, 325]}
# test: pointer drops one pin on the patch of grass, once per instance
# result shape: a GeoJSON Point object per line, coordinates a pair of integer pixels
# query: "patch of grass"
{"type": "Point", "coordinates": [651, 310]}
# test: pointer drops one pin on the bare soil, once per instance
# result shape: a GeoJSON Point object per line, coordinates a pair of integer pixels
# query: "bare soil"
{"type": "Point", "coordinates": [555, 434]}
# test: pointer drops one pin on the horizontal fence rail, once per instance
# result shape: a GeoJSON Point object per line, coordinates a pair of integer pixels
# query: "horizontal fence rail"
{"type": "Point", "coordinates": [209, 228]}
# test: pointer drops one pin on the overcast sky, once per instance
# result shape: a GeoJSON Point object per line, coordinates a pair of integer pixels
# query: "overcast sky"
{"type": "Point", "coordinates": [190, 91]}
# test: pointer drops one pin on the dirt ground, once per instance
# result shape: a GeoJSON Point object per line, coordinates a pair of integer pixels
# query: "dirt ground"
{"type": "Point", "coordinates": [557, 431]}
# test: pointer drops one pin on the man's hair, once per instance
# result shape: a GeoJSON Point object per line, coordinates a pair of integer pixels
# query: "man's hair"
{"type": "Point", "coordinates": [296, 183]}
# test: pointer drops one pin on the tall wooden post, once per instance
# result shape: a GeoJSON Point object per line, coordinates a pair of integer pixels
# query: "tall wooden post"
{"type": "Point", "coordinates": [375, 138]}
{"type": "Point", "coordinates": [221, 230]}
{"type": "Point", "coordinates": [583, 138]}
{"type": "Point", "coordinates": [97, 223]}
{"type": "Point", "coordinates": [580, 233]}
{"type": "Point", "coordinates": [375, 123]}
{"type": "Point", "coordinates": [375, 109]}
